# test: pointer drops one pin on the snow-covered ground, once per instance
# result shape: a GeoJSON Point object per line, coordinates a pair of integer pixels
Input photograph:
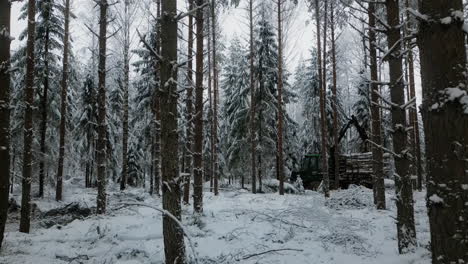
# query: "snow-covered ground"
{"type": "Point", "coordinates": [237, 227]}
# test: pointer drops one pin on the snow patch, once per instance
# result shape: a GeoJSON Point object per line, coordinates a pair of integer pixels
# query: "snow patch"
{"type": "Point", "coordinates": [436, 199]}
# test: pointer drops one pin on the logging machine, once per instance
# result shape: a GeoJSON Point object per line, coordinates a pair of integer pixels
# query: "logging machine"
{"type": "Point", "coordinates": [353, 168]}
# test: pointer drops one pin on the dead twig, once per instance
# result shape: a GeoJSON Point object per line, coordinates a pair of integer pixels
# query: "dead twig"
{"type": "Point", "coordinates": [269, 251]}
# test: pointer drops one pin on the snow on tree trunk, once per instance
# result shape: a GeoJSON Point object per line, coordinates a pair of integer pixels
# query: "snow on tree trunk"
{"type": "Point", "coordinates": [101, 102]}
{"type": "Point", "coordinates": [174, 247]}
{"type": "Point", "coordinates": [189, 111]}
{"type": "Point", "coordinates": [377, 154]}
{"type": "Point", "coordinates": [445, 115]}
{"type": "Point", "coordinates": [403, 188]}
{"type": "Point", "coordinates": [63, 107]}
{"type": "Point", "coordinates": [198, 137]}
{"type": "Point", "coordinates": [44, 104]}
{"type": "Point", "coordinates": [25, 220]}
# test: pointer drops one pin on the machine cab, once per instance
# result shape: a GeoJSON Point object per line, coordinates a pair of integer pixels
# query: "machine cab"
{"type": "Point", "coordinates": [310, 171]}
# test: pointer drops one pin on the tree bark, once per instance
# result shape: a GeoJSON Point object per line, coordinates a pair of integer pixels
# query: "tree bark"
{"type": "Point", "coordinates": [215, 172]}
{"type": "Point", "coordinates": [126, 83]}
{"type": "Point", "coordinates": [198, 142]}
{"type": "Point", "coordinates": [377, 154]}
{"type": "Point", "coordinates": [414, 112]}
{"type": "Point", "coordinates": [189, 111]}
{"type": "Point", "coordinates": [174, 247]}
{"type": "Point", "coordinates": [25, 220]}
{"type": "Point", "coordinates": [445, 115]}
{"type": "Point", "coordinates": [323, 85]}
{"type": "Point", "coordinates": [280, 166]}
{"type": "Point", "coordinates": [208, 172]}
{"type": "Point", "coordinates": [253, 141]}
{"type": "Point", "coordinates": [102, 127]}
{"type": "Point", "coordinates": [44, 102]}
{"type": "Point", "coordinates": [336, 152]}
{"type": "Point", "coordinates": [157, 107]}
{"type": "Point", "coordinates": [5, 13]}
{"type": "Point", "coordinates": [404, 193]}
{"type": "Point", "coordinates": [63, 107]}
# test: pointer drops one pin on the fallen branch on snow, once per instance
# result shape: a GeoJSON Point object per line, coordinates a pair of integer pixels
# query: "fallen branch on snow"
{"type": "Point", "coordinates": [269, 251]}
{"type": "Point", "coordinates": [167, 213]}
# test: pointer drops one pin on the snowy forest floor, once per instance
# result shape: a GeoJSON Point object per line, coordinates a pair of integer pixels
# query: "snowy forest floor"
{"type": "Point", "coordinates": [235, 227]}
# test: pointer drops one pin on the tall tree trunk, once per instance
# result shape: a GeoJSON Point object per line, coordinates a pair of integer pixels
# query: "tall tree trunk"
{"type": "Point", "coordinates": [44, 102]}
{"type": "Point", "coordinates": [198, 142]}
{"type": "Point", "coordinates": [215, 172]}
{"type": "Point", "coordinates": [253, 141]}
{"type": "Point", "coordinates": [189, 110]}
{"type": "Point", "coordinates": [280, 167]}
{"type": "Point", "coordinates": [209, 154]}
{"type": "Point", "coordinates": [404, 193]}
{"type": "Point", "coordinates": [445, 114]}
{"type": "Point", "coordinates": [259, 126]}
{"type": "Point", "coordinates": [5, 13]}
{"type": "Point", "coordinates": [25, 220]}
{"type": "Point", "coordinates": [63, 107]}
{"type": "Point", "coordinates": [323, 82]}
{"type": "Point", "coordinates": [102, 127]}
{"type": "Point", "coordinates": [377, 154]}
{"type": "Point", "coordinates": [157, 107]}
{"type": "Point", "coordinates": [126, 80]}
{"type": "Point", "coordinates": [336, 144]}
{"type": "Point", "coordinates": [174, 247]}
{"type": "Point", "coordinates": [414, 112]}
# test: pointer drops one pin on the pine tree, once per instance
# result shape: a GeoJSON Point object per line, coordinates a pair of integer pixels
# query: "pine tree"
{"type": "Point", "coordinates": [101, 102]}
{"type": "Point", "coordinates": [174, 247]}
{"type": "Point", "coordinates": [442, 47]}
{"type": "Point", "coordinates": [63, 109]}
{"type": "Point", "coordinates": [376, 117]}
{"type": "Point", "coordinates": [235, 109]}
{"type": "Point", "coordinates": [28, 122]}
{"type": "Point", "coordinates": [198, 118]}
{"type": "Point", "coordinates": [5, 7]}
{"type": "Point", "coordinates": [362, 107]}
{"type": "Point", "coordinates": [307, 84]}
{"type": "Point", "coordinates": [266, 70]}
{"type": "Point", "coordinates": [405, 211]}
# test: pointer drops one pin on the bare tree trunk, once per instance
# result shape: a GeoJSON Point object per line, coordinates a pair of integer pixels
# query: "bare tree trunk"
{"type": "Point", "coordinates": [198, 142]}
{"type": "Point", "coordinates": [336, 152]}
{"type": "Point", "coordinates": [126, 80]}
{"type": "Point", "coordinates": [102, 127]}
{"type": "Point", "coordinates": [25, 220]}
{"type": "Point", "coordinates": [445, 114]}
{"type": "Point", "coordinates": [174, 247]}
{"type": "Point", "coordinates": [377, 154]}
{"type": "Point", "coordinates": [215, 172]}
{"type": "Point", "coordinates": [323, 82]}
{"type": "Point", "coordinates": [414, 112]}
{"type": "Point", "coordinates": [5, 13]}
{"type": "Point", "coordinates": [209, 168]}
{"type": "Point", "coordinates": [189, 110]}
{"type": "Point", "coordinates": [253, 141]}
{"type": "Point", "coordinates": [404, 193]}
{"type": "Point", "coordinates": [280, 166]}
{"type": "Point", "coordinates": [44, 102]}
{"type": "Point", "coordinates": [63, 107]}
{"type": "Point", "coordinates": [157, 107]}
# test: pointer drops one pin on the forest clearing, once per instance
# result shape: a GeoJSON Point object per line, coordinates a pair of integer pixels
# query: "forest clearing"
{"type": "Point", "coordinates": [233, 131]}
{"type": "Point", "coordinates": [236, 226]}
